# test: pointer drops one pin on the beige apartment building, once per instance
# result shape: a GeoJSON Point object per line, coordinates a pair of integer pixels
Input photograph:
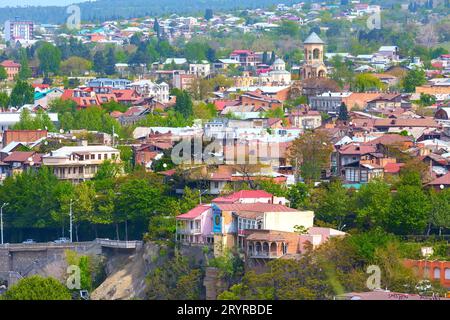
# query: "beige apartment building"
{"type": "Point", "coordinates": [79, 163]}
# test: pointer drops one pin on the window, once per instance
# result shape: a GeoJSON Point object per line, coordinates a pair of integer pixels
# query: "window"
{"type": "Point", "coordinates": [105, 156]}
{"type": "Point", "coordinates": [352, 175]}
{"type": "Point", "coordinates": [447, 273]}
{"type": "Point", "coordinates": [364, 177]}
{"type": "Point", "coordinates": [99, 156]}
{"type": "Point", "coordinates": [92, 156]}
{"type": "Point", "coordinates": [437, 273]}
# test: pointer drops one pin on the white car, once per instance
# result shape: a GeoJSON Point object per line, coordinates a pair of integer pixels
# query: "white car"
{"type": "Point", "coordinates": [62, 240]}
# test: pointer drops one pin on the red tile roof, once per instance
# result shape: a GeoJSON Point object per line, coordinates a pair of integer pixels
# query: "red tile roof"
{"type": "Point", "coordinates": [196, 212]}
{"type": "Point", "coordinates": [357, 149]}
{"type": "Point", "coordinates": [421, 122]}
{"type": "Point", "coordinates": [23, 156]}
{"type": "Point", "coordinates": [126, 95]}
{"type": "Point", "coordinates": [255, 207]}
{"type": "Point", "coordinates": [444, 180]}
{"type": "Point", "coordinates": [116, 114]}
{"type": "Point", "coordinates": [389, 139]}
{"type": "Point", "coordinates": [168, 173]}
{"type": "Point", "coordinates": [393, 167]}
{"type": "Point", "coordinates": [10, 64]}
{"type": "Point", "coordinates": [235, 52]}
{"type": "Point", "coordinates": [221, 104]}
{"type": "Point", "coordinates": [243, 194]}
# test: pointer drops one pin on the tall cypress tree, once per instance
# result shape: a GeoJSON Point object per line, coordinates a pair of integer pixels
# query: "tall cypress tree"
{"type": "Point", "coordinates": [157, 28]}
{"type": "Point", "coordinates": [99, 62]}
{"type": "Point", "coordinates": [272, 58]}
{"type": "Point", "coordinates": [343, 112]}
{"type": "Point", "coordinates": [110, 67]}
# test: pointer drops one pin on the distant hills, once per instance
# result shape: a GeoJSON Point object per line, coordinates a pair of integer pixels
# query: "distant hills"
{"type": "Point", "coordinates": [102, 10]}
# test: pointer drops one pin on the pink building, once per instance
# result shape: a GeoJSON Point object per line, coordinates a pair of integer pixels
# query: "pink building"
{"type": "Point", "coordinates": [12, 68]}
{"type": "Point", "coordinates": [195, 226]}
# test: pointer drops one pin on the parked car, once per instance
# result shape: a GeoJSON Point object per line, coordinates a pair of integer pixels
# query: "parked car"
{"type": "Point", "coordinates": [28, 241]}
{"type": "Point", "coordinates": [62, 240]}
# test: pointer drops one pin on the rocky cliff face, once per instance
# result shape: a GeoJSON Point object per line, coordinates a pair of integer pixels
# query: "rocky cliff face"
{"type": "Point", "coordinates": [126, 275]}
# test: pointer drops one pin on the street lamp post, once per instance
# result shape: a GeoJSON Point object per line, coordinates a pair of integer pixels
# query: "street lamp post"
{"type": "Point", "coordinates": [1, 219]}
{"type": "Point", "coordinates": [70, 218]}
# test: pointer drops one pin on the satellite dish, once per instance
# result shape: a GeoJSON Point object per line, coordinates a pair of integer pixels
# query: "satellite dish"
{"type": "Point", "coordinates": [30, 159]}
{"type": "Point", "coordinates": [61, 131]}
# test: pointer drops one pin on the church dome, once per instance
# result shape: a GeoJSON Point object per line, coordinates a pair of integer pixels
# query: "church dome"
{"type": "Point", "coordinates": [313, 38]}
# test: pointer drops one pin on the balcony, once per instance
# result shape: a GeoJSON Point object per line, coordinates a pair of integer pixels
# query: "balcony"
{"type": "Point", "coordinates": [189, 231]}
{"type": "Point", "coordinates": [264, 255]}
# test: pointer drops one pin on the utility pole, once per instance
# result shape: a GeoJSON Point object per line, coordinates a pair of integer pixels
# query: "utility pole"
{"type": "Point", "coordinates": [113, 136]}
{"type": "Point", "coordinates": [70, 219]}
{"type": "Point", "coordinates": [1, 219]}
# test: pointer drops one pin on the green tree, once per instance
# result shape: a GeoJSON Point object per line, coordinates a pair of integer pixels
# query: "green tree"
{"type": "Point", "coordinates": [37, 288]}
{"type": "Point", "coordinates": [367, 81]}
{"type": "Point", "coordinates": [3, 73]}
{"type": "Point", "coordinates": [157, 28]}
{"type": "Point", "coordinates": [22, 93]}
{"type": "Point", "coordinates": [409, 210]}
{"type": "Point", "coordinates": [440, 209]}
{"type": "Point", "coordinates": [413, 79]}
{"type": "Point", "coordinates": [183, 103]}
{"type": "Point", "coordinates": [272, 187]}
{"type": "Point", "coordinates": [190, 199]}
{"type": "Point", "coordinates": [310, 153]}
{"type": "Point", "coordinates": [61, 106]}
{"type": "Point", "coordinates": [334, 204]}
{"type": "Point", "coordinates": [373, 204]}
{"type": "Point", "coordinates": [209, 14]}
{"type": "Point", "coordinates": [4, 100]}
{"type": "Point", "coordinates": [49, 58]}
{"type": "Point", "coordinates": [342, 71]}
{"type": "Point", "coordinates": [138, 200]}
{"type": "Point", "coordinates": [298, 195]}
{"type": "Point", "coordinates": [343, 112]}
{"type": "Point", "coordinates": [41, 120]}
{"type": "Point", "coordinates": [25, 70]}
{"type": "Point", "coordinates": [99, 62]}
{"type": "Point", "coordinates": [75, 66]}
{"type": "Point", "coordinates": [110, 66]}
{"type": "Point", "coordinates": [288, 28]}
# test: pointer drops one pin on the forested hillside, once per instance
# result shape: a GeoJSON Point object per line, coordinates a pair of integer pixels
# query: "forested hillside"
{"type": "Point", "coordinates": [114, 9]}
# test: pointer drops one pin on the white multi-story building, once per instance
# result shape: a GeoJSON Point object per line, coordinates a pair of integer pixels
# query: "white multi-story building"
{"type": "Point", "coordinates": [200, 70]}
{"type": "Point", "coordinates": [79, 163]}
{"type": "Point", "coordinates": [18, 30]}
{"type": "Point", "coordinates": [148, 88]}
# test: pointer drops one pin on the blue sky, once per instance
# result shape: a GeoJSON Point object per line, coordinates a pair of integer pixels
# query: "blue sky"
{"type": "Point", "coordinates": [14, 3]}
